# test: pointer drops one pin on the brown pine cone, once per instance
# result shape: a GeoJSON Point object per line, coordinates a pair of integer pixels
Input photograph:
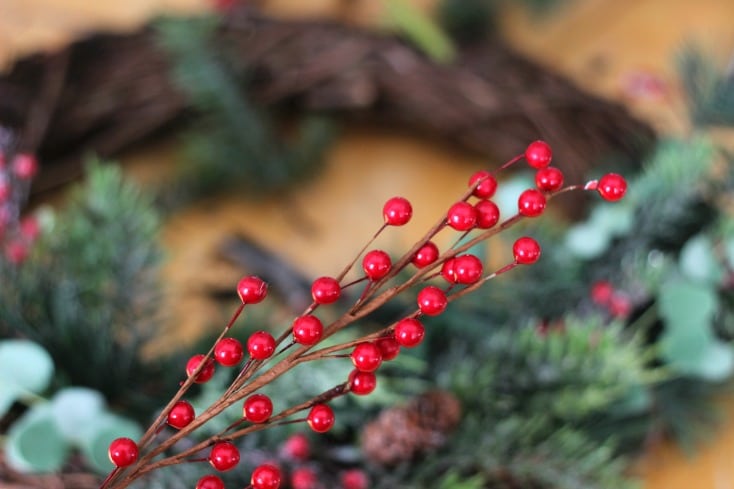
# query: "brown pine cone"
{"type": "Point", "coordinates": [402, 432]}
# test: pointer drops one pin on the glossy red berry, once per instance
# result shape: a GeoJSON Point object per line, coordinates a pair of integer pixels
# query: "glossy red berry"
{"type": "Point", "coordinates": [488, 214]}
{"type": "Point", "coordinates": [210, 482]}
{"type": "Point", "coordinates": [252, 290]}
{"type": "Point", "coordinates": [366, 357]}
{"type": "Point", "coordinates": [426, 254]}
{"type": "Point", "coordinates": [297, 447]}
{"type": "Point", "coordinates": [362, 383]}
{"type": "Point", "coordinates": [526, 250]}
{"type": "Point", "coordinates": [620, 305]}
{"type": "Point", "coordinates": [376, 264]}
{"type": "Point", "coordinates": [261, 345]}
{"type": "Point", "coordinates": [538, 154]}
{"type": "Point", "coordinates": [467, 269]}
{"type": "Point", "coordinates": [307, 330]}
{"type": "Point", "coordinates": [224, 456]}
{"type": "Point", "coordinates": [266, 476]}
{"type": "Point", "coordinates": [321, 418]}
{"type": "Point", "coordinates": [325, 290]}
{"type": "Point", "coordinates": [257, 408]}
{"type": "Point", "coordinates": [304, 478]}
{"type": "Point", "coordinates": [612, 187]}
{"type": "Point", "coordinates": [29, 228]}
{"type": "Point", "coordinates": [354, 479]}
{"type": "Point", "coordinates": [123, 452]}
{"type": "Point", "coordinates": [447, 270]}
{"type": "Point", "coordinates": [24, 166]}
{"type": "Point", "coordinates": [432, 301]}
{"type": "Point", "coordinates": [549, 179]}
{"type": "Point", "coordinates": [181, 415]}
{"type": "Point", "coordinates": [397, 211]}
{"type": "Point", "coordinates": [601, 292]}
{"type": "Point", "coordinates": [462, 216]}
{"type": "Point", "coordinates": [389, 348]}
{"type": "Point", "coordinates": [409, 332]}
{"type": "Point", "coordinates": [487, 184]}
{"type": "Point", "coordinates": [206, 373]}
{"type": "Point", "coordinates": [531, 203]}
{"type": "Point", "coordinates": [228, 352]}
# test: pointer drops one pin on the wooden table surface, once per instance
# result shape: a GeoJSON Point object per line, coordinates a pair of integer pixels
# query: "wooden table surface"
{"type": "Point", "coordinates": [602, 44]}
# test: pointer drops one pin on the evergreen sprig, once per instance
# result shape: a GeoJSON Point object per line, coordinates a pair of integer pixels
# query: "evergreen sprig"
{"type": "Point", "coordinates": [709, 89]}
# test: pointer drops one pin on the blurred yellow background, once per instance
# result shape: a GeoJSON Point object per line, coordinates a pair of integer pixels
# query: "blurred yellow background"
{"type": "Point", "coordinates": [600, 44]}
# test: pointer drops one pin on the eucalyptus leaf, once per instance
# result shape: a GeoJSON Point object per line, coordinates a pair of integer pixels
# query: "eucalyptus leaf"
{"type": "Point", "coordinates": [697, 261]}
{"type": "Point", "coordinates": [687, 305]}
{"type": "Point", "coordinates": [25, 367]}
{"type": "Point", "coordinates": [73, 408]}
{"type": "Point", "coordinates": [685, 349]}
{"type": "Point", "coordinates": [616, 219]}
{"type": "Point", "coordinates": [34, 443]}
{"type": "Point", "coordinates": [102, 430]}
{"type": "Point", "coordinates": [718, 363]}
{"type": "Point", "coordinates": [586, 240]}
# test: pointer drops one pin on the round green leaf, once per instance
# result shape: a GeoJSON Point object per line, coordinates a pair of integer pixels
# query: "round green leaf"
{"type": "Point", "coordinates": [614, 219]}
{"type": "Point", "coordinates": [685, 349]}
{"type": "Point", "coordinates": [102, 431]}
{"type": "Point", "coordinates": [72, 409]}
{"type": "Point", "coordinates": [586, 240]}
{"type": "Point", "coordinates": [698, 263]}
{"type": "Point", "coordinates": [34, 443]}
{"type": "Point", "coordinates": [687, 305]}
{"type": "Point", "coordinates": [25, 367]}
{"type": "Point", "coordinates": [718, 363]}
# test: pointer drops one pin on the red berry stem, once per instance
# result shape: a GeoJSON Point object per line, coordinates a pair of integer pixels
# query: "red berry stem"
{"type": "Point", "coordinates": [511, 162]}
{"type": "Point", "coordinates": [351, 264]}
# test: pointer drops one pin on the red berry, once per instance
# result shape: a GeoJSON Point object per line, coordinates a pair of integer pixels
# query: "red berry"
{"type": "Point", "coordinates": [206, 373]}
{"type": "Point", "coordinates": [16, 252]}
{"type": "Point", "coordinates": [265, 476]}
{"type": "Point", "coordinates": [181, 415]}
{"type": "Point", "coordinates": [307, 330]}
{"type": "Point", "coordinates": [29, 228]}
{"type": "Point", "coordinates": [224, 456]}
{"type": "Point", "coordinates": [447, 270]}
{"type": "Point", "coordinates": [601, 292]}
{"type": "Point", "coordinates": [297, 447]}
{"type": "Point", "coordinates": [409, 332]}
{"type": "Point", "coordinates": [531, 203]}
{"type": "Point", "coordinates": [210, 482]}
{"type": "Point", "coordinates": [325, 290]}
{"type": "Point", "coordinates": [362, 383]}
{"type": "Point", "coordinates": [397, 211]}
{"type": "Point", "coordinates": [228, 352]}
{"type": "Point", "coordinates": [5, 188]}
{"type": "Point", "coordinates": [432, 301]}
{"type": "Point", "coordinates": [549, 179]}
{"type": "Point", "coordinates": [321, 418]}
{"type": "Point", "coordinates": [257, 408]}
{"type": "Point", "coordinates": [620, 305]}
{"type": "Point", "coordinates": [538, 154]}
{"type": "Point", "coordinates": [462, 216]}
{"type": "Point", "coordinates": [487, 214]}
{"type": "Point", "coordinates": [526, 250]}
{"type": "Point", "coordinates": [487, 186]}
{"type": "Point", "coordinates": [389, 348]}
{"type": "Point", "coordinates": [426, 254]}
{"type": "Point", "coordinates": [366, 357]}
{"type": "Point", "coordinates": [252, 290]}
{"type": "Point", "coordinates": [25, 166]}
{"type": "Point", "coordinates": [261, 345]}
{"type": "Point", "coordinates": [304, 478]}
{"type": "Point", "coordinates": [123, 452]}
{"type": "Point", "coordinates": [376, 264]}
{"type": "Point", "coordinates": [354, 479]}
{"type": "Point", "coordinates": [612, 187]}
{"type": "Point", "coordinates": [467, 269]}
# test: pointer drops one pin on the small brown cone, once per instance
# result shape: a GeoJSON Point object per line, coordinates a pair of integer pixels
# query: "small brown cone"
{"type": "Point", "coordinates": [402, 432]}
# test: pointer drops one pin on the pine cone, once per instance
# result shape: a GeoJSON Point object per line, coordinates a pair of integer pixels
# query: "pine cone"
{"type": "Point", "coordinates": [402, 432]}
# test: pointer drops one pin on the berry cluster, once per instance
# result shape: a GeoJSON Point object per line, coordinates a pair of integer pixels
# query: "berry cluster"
{"type": "Point", "coordinates": [16, 234]}
{"type": "Point", "coordinates": [616, 302]}
{"type": "Point", "coordinates": [437, 276]}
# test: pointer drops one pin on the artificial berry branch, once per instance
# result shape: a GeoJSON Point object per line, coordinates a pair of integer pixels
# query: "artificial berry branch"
{"type": "Point", "coordinates": [269, 358]}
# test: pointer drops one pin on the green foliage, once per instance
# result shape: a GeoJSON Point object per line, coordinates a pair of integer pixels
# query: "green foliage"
{"type": "Point", "coordinates": [420, 30]}
{"type": "Point", "coordinates": [89, 293]}
{"type": "Point", "coordinates": [710, 92]}
{"type": "Point", "coordinates": [26, 371]}
{"type": "Point", "coordinates": [233, 143]}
